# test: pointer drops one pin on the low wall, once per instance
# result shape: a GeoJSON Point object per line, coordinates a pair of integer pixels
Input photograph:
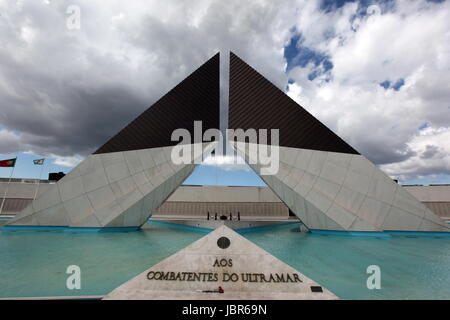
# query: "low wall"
{"type": "Point", "coordinates": [213, 224]}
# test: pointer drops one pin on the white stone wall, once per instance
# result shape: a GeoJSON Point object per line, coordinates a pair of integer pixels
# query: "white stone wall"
{"type": "Point", "coordinates": [338, 191]}
{"type": "Point", "coordinates": [223, 194]}
{"type": "Point", "coordinates": [118, 189]}
{"type": "Point", "coordinates": [436, 193]}
{"type": "Point", "coordinates": [22, 190]}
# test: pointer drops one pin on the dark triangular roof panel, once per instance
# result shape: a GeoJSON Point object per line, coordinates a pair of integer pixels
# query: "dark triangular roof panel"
{"type": "Point", "coordinates": [254, 102]}
{"type": "Point", "coordinates": [195, 98]}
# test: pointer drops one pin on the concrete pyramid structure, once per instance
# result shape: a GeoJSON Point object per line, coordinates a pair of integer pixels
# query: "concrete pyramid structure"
{"type": "Point", "coordinates": [321, 178]}
{"type": "Point", "coordinates": [224, 259]}
{"type": "Point", "coordinates": [132, 174]}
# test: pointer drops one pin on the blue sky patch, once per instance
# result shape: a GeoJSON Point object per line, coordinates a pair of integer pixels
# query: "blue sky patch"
{"type": "Point", "coordinates": [385, 84]}
{"type": "Point", "coordinates": [296, 54]}
{"type": "Point", "coordinates": [400, 82]}
{"type": "Point", "coordinates": [332, 5]}
{"type": "Point", "coordinates": [25, 168]}
{"type": "Point", "coordinates": [424, 126]}
{"type": "Point", "coordinates": [396, 86]}
{"type": "Point", "coordinates": [290, 81]}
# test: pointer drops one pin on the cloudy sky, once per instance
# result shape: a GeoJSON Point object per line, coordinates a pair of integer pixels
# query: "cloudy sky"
{"type": "Point", "coordinates": [375, 72]}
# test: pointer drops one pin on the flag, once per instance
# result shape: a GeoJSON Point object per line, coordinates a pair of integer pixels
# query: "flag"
{"type": "Point", "coordinates": [39, 161]}
{"type": "Point", "coordinates": [8, 163]}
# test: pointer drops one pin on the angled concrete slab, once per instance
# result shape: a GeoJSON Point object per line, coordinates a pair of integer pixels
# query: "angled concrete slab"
{"type": "Point", "coordinates": [321, 178]}
{"type": "Point", "coordinates": [106, 191]}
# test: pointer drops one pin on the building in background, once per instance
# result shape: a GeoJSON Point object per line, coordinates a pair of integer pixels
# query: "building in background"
{"type": "Point", "coordinates": [20, 193]}
{"type": "Point", "coordinates": [216, 202]}
{"type": "Point", "coordinates": [435, 196]}
{"type": "Point", "coordinates": [195, 202]}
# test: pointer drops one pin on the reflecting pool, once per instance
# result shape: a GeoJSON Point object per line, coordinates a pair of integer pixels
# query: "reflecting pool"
{"type": "Point", "coordinates": [33, 264]}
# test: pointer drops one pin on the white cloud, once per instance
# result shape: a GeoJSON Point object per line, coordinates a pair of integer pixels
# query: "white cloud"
{"type": "Point", "coordinates": [67, 161]}
{"type": "Point", "coordinates": [57, 85]}
{"type": "Point", "coordinates": [70, 161]}
{"type": "Point", "coordinates": [431, 156]}
{"type": "Point", "coordinates": [227, 163]}
{"type": "Point", "coordinates": [9, 141]}
{"type": "Point", "coordinates": [411, 42]}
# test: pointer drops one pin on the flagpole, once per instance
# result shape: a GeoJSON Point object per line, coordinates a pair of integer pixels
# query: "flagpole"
{"type": "Point", "coordinates": [39, 181]}
{"type": "Point", "coordinates": [7, 187]}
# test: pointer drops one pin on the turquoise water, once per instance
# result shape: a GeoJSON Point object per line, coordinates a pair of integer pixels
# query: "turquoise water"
{"type": "Point", "coordinates": [411, 267]}
{"type": "Point", "coordinates": [34, 263]}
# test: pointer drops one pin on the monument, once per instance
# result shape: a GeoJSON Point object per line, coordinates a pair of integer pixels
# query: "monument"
{"type": "Point", "coordinates": [321, 178]}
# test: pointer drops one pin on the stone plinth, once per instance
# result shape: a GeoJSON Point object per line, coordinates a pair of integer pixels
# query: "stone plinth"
{"type": "Point", "coordinates": [234, 265]}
